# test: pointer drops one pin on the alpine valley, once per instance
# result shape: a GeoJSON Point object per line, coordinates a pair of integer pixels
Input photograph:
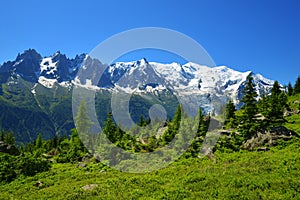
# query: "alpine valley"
{"type": "Point", "coordinates": [36, 91]}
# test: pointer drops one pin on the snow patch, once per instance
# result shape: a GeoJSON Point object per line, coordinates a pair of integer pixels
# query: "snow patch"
{"type": "Point", "coordinates": [48, 83]}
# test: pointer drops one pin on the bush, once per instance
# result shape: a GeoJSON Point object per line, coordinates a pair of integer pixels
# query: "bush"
{"type": "Point", "coordinates": [12, 166]}
{"type": "Point", "coordinates": [30, 166]}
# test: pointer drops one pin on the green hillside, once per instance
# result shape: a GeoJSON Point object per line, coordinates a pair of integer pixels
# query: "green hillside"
{"type": "Point", "coordinates": [256, 156]}
{"type": "Point", "coordinates": [241, 175]}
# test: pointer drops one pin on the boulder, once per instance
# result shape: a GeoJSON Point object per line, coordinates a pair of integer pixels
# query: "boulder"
{"type": "Point", "coordinates": [8, 148]}
{"type": "Point", "coordinates": [261, 141]}
{"type": "Point", "coordinates": [81, 165]}
{"type": "Point", "coordinates": [89, 187]}
{"type": "Point", "coordinates": [87, 157]}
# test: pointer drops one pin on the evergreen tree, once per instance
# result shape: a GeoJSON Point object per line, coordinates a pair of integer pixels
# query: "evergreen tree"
{"type": "Point", "coordinates": [277, 103]}
{"type": "Point", "coordinates": [297, 86]}
{"type": "Point", "coordinates": [249, 99]}
{"type": "Point", "coordinates": [230, 113]}
{"type": "Point", "coordinates": [39, 141]}
{"type": "Point", "coordinates": [110, 128]}
{"type": "Point", "coordinates": [202, 124]}
{"type": "Point", "coordinates": [2, 135]}
{"type": "Point", "coordinates": [177, 119]}
{"type": "Point", "coordinates": [248, 126]}
{"type": "Point", "coordinates": [173, 127]}
{"type": "Point", "coordinates": [290, 89]}
{"type": "Point", "coordinates": [263, 104]}
{"type": "Point", "coordinates": [9, 138]}
{"type": "Point", "coordinates": [55, 141]}
{"type": "Point", "coordinates": [83, 124]}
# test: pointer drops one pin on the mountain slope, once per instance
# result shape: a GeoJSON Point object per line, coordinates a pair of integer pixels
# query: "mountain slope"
{"type": "Point", "coordinates": [35, 86]}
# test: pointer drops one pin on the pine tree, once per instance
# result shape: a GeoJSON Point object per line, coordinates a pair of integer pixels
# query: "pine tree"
{"type": "Point", "coordinates": [248, 125]}
{"type": "Point", "coordinates": [201, 124]}
{"type": "Point", "coordinates": [110, 128]}
{"type": "Point", "coordinates": [39, 141]}
{"type": "Point", "coordinates": [290, 89]}
{"type": "Point", "coordinates": [277, 103]}
{"type": "Point", "coordinates": [177, 119]}
{"type": "Point", "coordinates": [173, 127]}
{"type": "Point", "coordinates": [230, 112]}
{"type": "Point", "coordinates": [249, 100]}
{"type": "Point", "coordinates": [9, 138]}
{"type": "Point", "coordinates": [297, 86]}
{"type": "Point", "coordinates": [83, 124]}
{"type": "Point", "coordinates": [2, 135]}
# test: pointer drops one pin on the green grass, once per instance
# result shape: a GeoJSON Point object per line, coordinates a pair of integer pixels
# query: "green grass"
{"type": "Point", "coordinates": [293, 121]}
{"type": "Point", "coordinates": [274, 174]}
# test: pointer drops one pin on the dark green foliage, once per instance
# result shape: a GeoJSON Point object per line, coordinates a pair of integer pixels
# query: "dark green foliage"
{"type": "Point", "coordinates": [2, 134]}
{"type": "Point", "coordinates": [30, 166]}
{"type": "Point", "coordinates": [173, 127]}
{"type": "Point", "coordinates": [249, 100]}
{"type": "Point", "coordinates": [110, 128]}
{"type": "Point", "coordinates": [297, 86]}
{"type": "Point", "coordinates": [278, 101]}
{"type": "Point", "coordinates": [195, 147]}
{"type": "Point", "coordinates": [290, 89]}
{"type": "Point", "coordinates": [39, 141]}
{"type": "Point", "coordinates": [248, 125]}
{"type": "Point", "coordinates": [83, 123]}
{"type": "Point", "coordinates": [71, 150]}
{"type": "Point", "coordinates": [230, 114]}
{"type": "Point", "coordinates": [9, 138]}
{"type": "Point", "coordinates": [272, 106]}
{"type": "Point", "coordinates": [202, 125]}
{"type": "Point", "coordinates": [12, 166]}
{"type": "Point", "coordinates": [7, 165]}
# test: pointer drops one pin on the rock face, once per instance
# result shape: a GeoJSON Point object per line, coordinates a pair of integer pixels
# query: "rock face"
{"type": "Point", "coordinates": [268, 138]}
{"type": "Point", "coordinates": [89, 187]}
{"type": "Point", "coordinates": [7, 148]}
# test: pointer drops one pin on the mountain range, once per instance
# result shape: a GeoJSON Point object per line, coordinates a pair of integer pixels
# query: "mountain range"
{"type": "Point", "coordinates": [36, 91]}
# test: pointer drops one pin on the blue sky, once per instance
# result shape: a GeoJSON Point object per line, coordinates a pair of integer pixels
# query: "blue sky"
{"type": "Point", "coordinates": [258, 35]}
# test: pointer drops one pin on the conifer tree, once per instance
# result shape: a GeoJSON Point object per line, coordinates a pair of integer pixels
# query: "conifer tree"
{"type": "Point", "coordinates": [110, 128]}
{"type": "Point", "coordinates": [248, 125]}
{"type": "Point", "coordinates": [297, 86]}
{"type": "Point", "coordinates": [9, 138]}
{"type": "Point", "coordinates": [290, 89]}
{"type": "Point", "coordinates": [2, 134]}
{"type": "Point", "coordinates": [39, 141]}
{"type": "Point", "coordinates": [201, 124]}
{"type": "Point", "coordinates": [83, 124]}
{"type": "Point", "coordinates": [229, 112]}
{"type": "Point", "coordinates": [249, 100]}
{"type": "Point", "coordinates": [277, 103]}
{"type": "Point", "coordinates": [177, 119]}
{"type": "Point", "coordinates": [173, 127]}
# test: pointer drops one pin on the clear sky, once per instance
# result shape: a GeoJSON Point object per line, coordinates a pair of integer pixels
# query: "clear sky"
{"type": "Point", "coordinates": [258, 35]}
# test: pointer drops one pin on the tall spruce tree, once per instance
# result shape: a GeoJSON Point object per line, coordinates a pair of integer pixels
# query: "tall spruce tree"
{"type": "Point", "coordinates": [83, 125]}
{"type": "Point", "coordinates": [110, 128]}
{"type": "Point", "coordinates": [290, 89]}
{"type": "Point", "coordinates": [248, 125]}
{"type": "Point", "coordinates": [249, 99]}
{"type": "Point", "coordinates": [297, 86]}
{"type": "Point", "coordinates": [39, 141]}
{"type": "Point", "coordinates": [201, 123]}
{"type": "Point", "coordinates": [230, 113]}
{"type": "Point", "coordinates": [277, 103]}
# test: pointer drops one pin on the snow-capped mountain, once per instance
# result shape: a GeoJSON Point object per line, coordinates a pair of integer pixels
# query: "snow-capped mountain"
{"type": "Point", "coordinates": [209, 87]}
{"type": "Point", "coordinates": [31, 66]}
